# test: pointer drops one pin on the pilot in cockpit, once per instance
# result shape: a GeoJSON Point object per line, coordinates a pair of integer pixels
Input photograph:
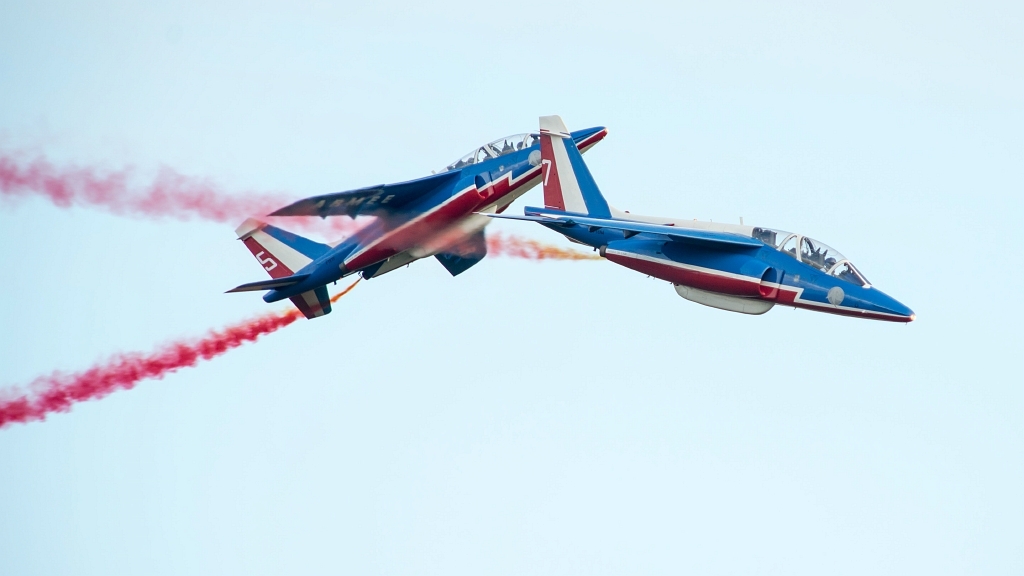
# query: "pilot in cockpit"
{"type": "Point", "coordinates": [818, 258]}
{"type": "Point", "coordinates": [847, 274]}
{"type": "Point", "coordinates": [813, 255]}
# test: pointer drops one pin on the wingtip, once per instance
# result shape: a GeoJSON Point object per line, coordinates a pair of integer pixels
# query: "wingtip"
{"type": "Point", "coordinates": [282, 211]}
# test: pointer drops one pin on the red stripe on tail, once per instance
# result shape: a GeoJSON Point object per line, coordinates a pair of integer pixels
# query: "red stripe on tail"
{"type": "Point", "coordinates": [552, 186]}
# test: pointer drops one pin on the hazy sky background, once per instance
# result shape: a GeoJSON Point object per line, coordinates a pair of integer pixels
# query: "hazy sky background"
{"type": "Point", "coordinates": [525, 418]}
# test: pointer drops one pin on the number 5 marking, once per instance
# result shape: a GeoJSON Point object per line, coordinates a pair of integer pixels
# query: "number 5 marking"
{"type": "Point", "coordinates": [268, 262]}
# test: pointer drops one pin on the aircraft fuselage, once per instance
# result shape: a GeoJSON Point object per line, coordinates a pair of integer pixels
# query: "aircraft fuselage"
{"type": "Point", "coordinates": [435, 222]}
{"type": "Point", "coordinates": [744, 279]}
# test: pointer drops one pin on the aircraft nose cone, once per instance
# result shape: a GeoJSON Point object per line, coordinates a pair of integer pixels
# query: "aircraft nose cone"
{"type": "Point", "coordinates": [894, 306]}
{"type": "Point", "coordinates": [907, 314]}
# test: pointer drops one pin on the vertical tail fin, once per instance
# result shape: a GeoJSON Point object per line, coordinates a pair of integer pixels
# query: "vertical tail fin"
{"type": "Point", "coordinates": [282, 254]}
{"type": "Point", "coordinates": [568, 185]}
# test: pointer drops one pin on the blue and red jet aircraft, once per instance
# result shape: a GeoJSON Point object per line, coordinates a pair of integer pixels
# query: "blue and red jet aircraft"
{"type": "Point", "coordinates": [732, 267]}
{"type": "Point", "coordinates": [441, 215]}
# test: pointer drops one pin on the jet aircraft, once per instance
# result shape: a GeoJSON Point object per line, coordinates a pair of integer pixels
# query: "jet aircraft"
{"type": "Point", "coordinates": [439, 215]}
{"type": "Point", "coordinates": [739, 268]}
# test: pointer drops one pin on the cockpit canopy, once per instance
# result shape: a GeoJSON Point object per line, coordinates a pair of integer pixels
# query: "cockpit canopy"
{"type": "Point", "coordinates": [499, 147]}
{"type": "Point", "coordinates": [813, 252]}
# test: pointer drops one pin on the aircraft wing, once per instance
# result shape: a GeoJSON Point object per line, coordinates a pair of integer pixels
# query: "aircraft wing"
{"type": "Point", "coordinates": [380, 200]}
{"type": "Point", "coordinates": [687, 235]}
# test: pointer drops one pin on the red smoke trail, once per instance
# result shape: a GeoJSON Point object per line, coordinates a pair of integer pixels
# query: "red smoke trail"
{"type": "Point", "coordinates": [58, 392]}
{"type": "Point", "coordinates": [169, 195]}
{"type": "Point", "coordinates": [499, 244]}
{"type": "Point", "coordinates": [173, 195]}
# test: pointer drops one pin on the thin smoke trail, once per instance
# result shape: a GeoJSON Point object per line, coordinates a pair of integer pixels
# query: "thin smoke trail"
{"type": "Point", "coordinates": [170, 194]}
{"type": "Point", "coordinates": [499, 244]}
{"type": "Point", "coordinates": [176, 196]}
{"type": "Point", "coordinates": [58, 392]}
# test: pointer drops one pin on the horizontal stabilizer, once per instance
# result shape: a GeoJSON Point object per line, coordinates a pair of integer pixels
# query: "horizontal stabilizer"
{"type": "Point", "coordinates": [380, 200]}
{"type": "Point", "coordinates": [541, 219]}
{"type": "Point", "coordinates": [314, 303]}
{"type": "Point", "coordinates": [271, 284]}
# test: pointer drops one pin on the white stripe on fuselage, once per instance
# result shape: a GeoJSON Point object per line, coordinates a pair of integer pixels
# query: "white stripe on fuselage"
{"type": "Point", "coordinates": [829, 306]}
{"type": "Point", "coordinates": [797, 291]}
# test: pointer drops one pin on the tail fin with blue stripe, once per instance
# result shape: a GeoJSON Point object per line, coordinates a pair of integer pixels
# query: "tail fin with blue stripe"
{"type": "Point", "coordinates": [568, 185]}
{"type": "Point", "coordinates": [283, 254]}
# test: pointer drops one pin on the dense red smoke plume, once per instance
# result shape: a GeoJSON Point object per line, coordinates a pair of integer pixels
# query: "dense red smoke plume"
{"type": "Point", "coordinates": [58, 391]}
{"type": "Point", "coordinates": [173, 195]}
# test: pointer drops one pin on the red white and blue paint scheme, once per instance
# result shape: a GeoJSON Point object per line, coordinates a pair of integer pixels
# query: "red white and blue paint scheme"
{"type": "Point", "coordinates": [441, 215]}
{"type": "Point", "coordinates": [739, 268]}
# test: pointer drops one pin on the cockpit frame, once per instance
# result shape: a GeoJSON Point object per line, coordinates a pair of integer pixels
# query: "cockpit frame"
{"type": "Point", "coordinates": [832, 262]}
{"type": "Point", "coordinates": [495, 149]}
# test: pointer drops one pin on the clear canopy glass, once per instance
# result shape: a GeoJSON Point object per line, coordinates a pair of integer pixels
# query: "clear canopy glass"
{"type": "Point", "coordinates": [771, 237]}
{"type": "Point", "coordinates": [845, 270]}
{"type": "Point", "coordinates": [811, 251]}
{"type": "Point", "coordinates": [496, 149]}
{"type": "Point", "coordinates": [819, 255]}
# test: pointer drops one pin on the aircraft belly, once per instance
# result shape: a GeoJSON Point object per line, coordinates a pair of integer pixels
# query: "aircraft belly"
{"type": "Point", "coordinates": [393, 263]}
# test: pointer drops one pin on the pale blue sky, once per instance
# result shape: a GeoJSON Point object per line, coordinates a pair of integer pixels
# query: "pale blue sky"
{"type": "Point", "coordinates": [540, 418]}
